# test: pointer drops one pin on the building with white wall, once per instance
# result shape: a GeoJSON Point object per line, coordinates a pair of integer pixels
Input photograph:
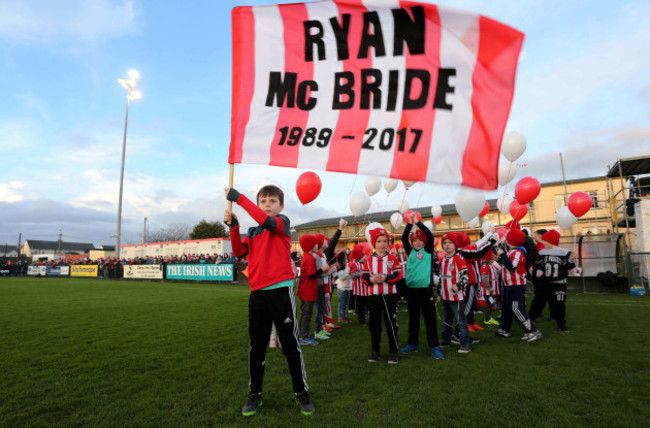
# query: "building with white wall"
{"type": "Point", "coordinates": [219, 246]}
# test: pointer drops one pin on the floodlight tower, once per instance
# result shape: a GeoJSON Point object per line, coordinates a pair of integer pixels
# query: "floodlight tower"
{"type": "Point", "coordinates": [131, 94]}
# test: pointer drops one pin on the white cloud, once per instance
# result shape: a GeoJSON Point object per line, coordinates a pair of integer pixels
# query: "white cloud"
{"type": "Point", "coordinates": [44, 21]}
{"type": "Point", "coordinates": [11, 192]}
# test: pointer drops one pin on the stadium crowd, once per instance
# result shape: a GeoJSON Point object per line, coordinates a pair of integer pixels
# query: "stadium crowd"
{"type": "Point", "coordinates": [112, 267]}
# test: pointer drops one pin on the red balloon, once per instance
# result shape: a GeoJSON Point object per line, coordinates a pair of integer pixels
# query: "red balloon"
{"type": "Point", "coordinates": [486, 208]}
{"type": "Point", "coordinates": [502, 232]}
{"type": "Point", "coordinates": [518, 211]}
{"type": "Point", "coordinates": [408, 214]}
{"type": "Point", "coordinates": [579, 203]}
{"type": "Point", "coordinates": [308, 187]}
{"type": "Point", "coordinates": [437, 220]}
{"type": "Point", "coordinates": [527, 189]}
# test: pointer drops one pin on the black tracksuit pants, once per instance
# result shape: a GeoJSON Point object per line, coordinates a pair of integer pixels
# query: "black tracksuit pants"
{"type": "Point", "coordinates": [383, 306]}
{"type": "Point", "coordinates": [266, 307]}
{"type": "Point", "coordinates": [422, 301]}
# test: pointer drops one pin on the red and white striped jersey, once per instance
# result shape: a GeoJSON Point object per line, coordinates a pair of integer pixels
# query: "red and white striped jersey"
{"type": "Point", "coordinates": [358, 287]}
{"type": "Point", "coordinates": [386, 265]}
{"type": "Point", "coordinates": [518, 277]}
{"type": "Point", "coordinates": [403, 261]}
{"type": "Point", "coordinates": [474, 272]}
{"type": "Point", "coordinates": [450, 269]}
{"type": "Point", "coordinates": [489, 279]}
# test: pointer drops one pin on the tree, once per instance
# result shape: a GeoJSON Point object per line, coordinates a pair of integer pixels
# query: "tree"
{"type": "Point", "coordinates": [173, 232]}
{"type": "Point", "coordinates": [205, 230]}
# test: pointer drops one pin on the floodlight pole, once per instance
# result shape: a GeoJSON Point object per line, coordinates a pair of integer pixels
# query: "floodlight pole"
{"type": "Point", "coordinates": [130, 94]}
{"type": "Point", "coordinates": [119, 203]}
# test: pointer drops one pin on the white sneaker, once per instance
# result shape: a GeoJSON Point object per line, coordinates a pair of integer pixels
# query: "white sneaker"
{"type": "Point", "coordinates": [535, 335]}
{"type": "Point", "coordinates": [526, 336]}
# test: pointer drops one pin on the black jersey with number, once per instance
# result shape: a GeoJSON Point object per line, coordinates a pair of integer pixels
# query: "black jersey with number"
{"type": "Point", "coordinates": [555, 264]}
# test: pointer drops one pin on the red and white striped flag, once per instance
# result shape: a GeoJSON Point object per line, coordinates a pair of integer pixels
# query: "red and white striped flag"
{"type": "Point", "coordinates": [390, 88]}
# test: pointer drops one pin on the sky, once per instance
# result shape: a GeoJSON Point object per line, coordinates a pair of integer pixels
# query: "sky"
{"type": "Point", "coordinates": [582, 89]}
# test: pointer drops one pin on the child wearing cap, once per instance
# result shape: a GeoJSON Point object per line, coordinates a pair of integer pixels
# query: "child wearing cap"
{"type": "Point", "coordinates": [553, 266]}
{"type": "Point", "coordinates": [419, 286]}
{"type": "Point", "coordinates": [307, 287]}
{"type": "Point", "coordinates": [453, 282]}
{"type": "Point", "coordinates": [513, 295]}
{"type": "Point", "coordinates": [380, 274]}
{"type": "Point", "coordinates": [359, 289]}
{"type": "Point", "coordinates": [489, 285]}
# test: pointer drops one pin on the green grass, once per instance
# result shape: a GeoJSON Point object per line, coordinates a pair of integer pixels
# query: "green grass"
{"type": "Point", "coordinates": [76, 352]}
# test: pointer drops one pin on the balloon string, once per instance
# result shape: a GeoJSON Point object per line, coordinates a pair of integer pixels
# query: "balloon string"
{"type": "Point", "coordinates": [361, 225]}
{"type": "Point", "coordinates": [403, 199]}
{"type": "Point", "coordinates": [419, 197]}
{"type": "Point", "coordinates": [353, 183]}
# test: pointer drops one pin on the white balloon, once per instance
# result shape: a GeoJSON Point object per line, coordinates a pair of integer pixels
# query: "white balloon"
{"type": "Point", "coordinates": [359, 203]}
{"type": "Point", "coordinates": [487, 227]}
{"type": "Point", "coordinates": [429, 225]}
{"type": "Point", "coordinates": [436, 211]}
{"type": "Point", "coordinates": [370, 227]}
{"type": "Point", "coordinates": [503, 203]}
{"type": "Point", "coordinates": [513, 146]}
{"type": "Point", "coordinates": [564, 218]}
{"type": "Point", "coordinates": [469, 203]}
{"type": "Point", "coordinates": [404, 206]}
{"type": "Point", "coordinates": [507, 173]}
{"type": "Point", "coordinates": [408, 184]}
{"type": "Point", "coordinates": [396, 220]}
{"type": "Point", "coordinates": [390, 184]}
{"type": "Point", "coordinates": [473, 223]}
{"type": "Point", "coordinates": [373, 185]}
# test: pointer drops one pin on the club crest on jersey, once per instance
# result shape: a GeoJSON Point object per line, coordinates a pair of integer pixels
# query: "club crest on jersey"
{"type": "Point", "coordinates": [420, 256]}
{"type": "Point", "coordinates": [390, 263]}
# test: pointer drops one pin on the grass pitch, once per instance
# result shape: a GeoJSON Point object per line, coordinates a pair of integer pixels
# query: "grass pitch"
{"type": "Point", "coordinates": [77, 352]}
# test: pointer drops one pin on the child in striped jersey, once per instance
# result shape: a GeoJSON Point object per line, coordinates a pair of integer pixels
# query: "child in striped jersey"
{"type": "Point", "coordinates": [453, 281]}
{"type": "Point", "coordinates": [380, 275]}
{"type": "Point", "coordinates": [489, 285]}
{"type": "Point", "coordinates": [359, 289]}
{"type": "Point", "coordinates": [513, 295]}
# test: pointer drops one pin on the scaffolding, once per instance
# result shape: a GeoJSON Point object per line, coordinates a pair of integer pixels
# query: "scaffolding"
{"type": "Point", "coordinates": [633, 187]}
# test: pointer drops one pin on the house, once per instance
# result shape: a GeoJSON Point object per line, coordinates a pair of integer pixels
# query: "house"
{"type": "Point", "coordinates": [35, 248]}
{"type": "Point", "coordinates": [103, 252]}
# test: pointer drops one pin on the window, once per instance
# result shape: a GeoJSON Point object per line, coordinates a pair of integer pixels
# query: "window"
{"type": "Point", "coordinates": [594, 198]}
{"type": "Point", "coordinates": [455, 222]}
{"type": "Point", "coordinates": [559, 202]}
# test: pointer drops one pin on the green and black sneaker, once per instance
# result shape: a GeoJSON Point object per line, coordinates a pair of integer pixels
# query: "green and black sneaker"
{"type": "Point", "coordinates": [306, 408]}
{"type": "Point", "coordinates": [254, 401]}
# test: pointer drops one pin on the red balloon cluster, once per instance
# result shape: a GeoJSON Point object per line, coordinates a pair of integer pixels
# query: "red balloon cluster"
{"type": "Point", "coordinates": [308, 187]}
{"type": "Point", "coordinates": [407, 215]}
{"type": "Point", "coordinates": [518, 211]}
{"type": "Point", "coordinates": [437, 220]}
{"type": "Point", "coordinates": [527, 189]}
{"type": "Point", "coordinates": [579, 203]}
